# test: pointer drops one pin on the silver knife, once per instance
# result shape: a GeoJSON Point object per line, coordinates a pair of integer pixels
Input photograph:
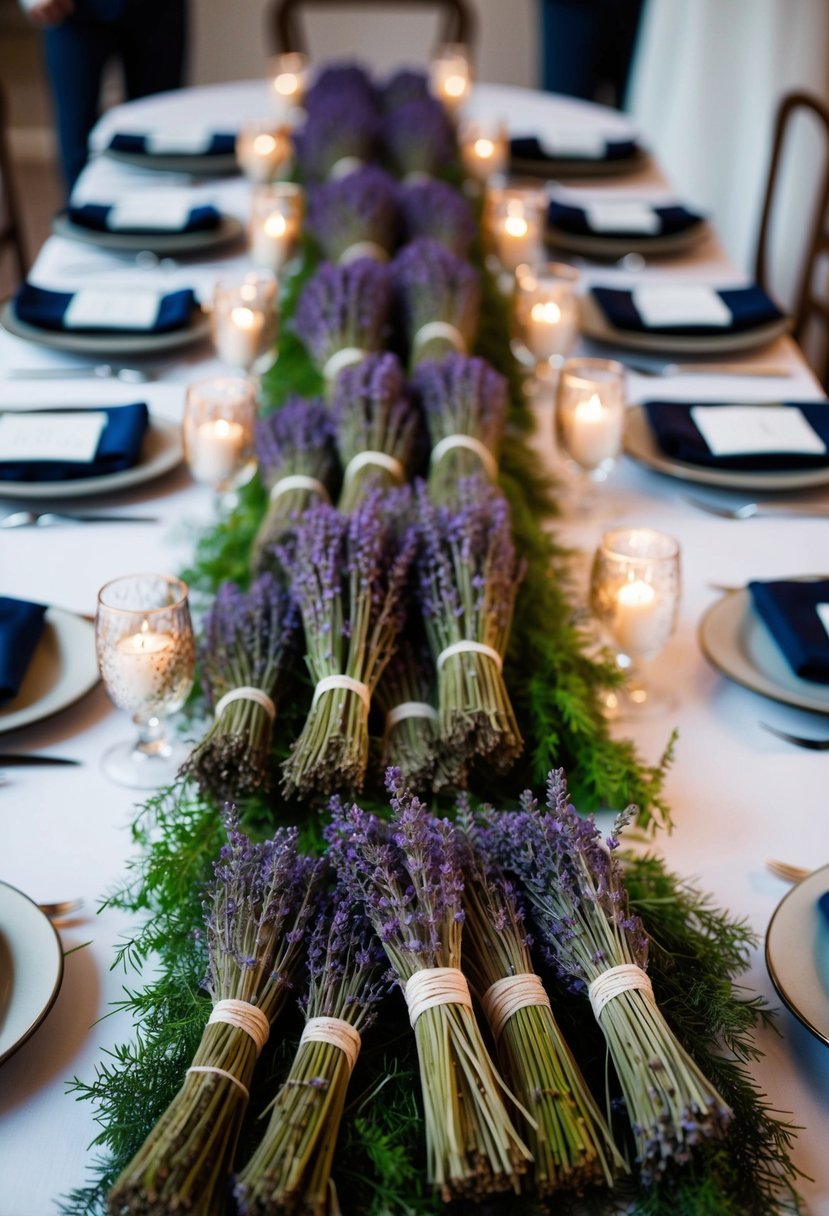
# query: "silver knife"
{"type": "Point", "coordinates": [104, 371]}
{"type": "Point", "coordinates": [48, 519]}
{"type": "Point", "coordinates": [29, 759]}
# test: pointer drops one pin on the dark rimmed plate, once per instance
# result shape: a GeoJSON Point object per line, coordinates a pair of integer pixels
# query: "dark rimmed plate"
{"type": "Point", "coordinates": [199, 166]}
{"type": "Point", "coordinates": [797, 953]}
{"type": "Point", "coordinates": [581, 166]}
{"type": "Point", "coordinates": [617, 246]}
{"type": "Point", "coordinates": [165, 244]}
{"type": "Point", "coordinates": [31, 968]}
{"type": "Point", "coordinates": [106, 344]}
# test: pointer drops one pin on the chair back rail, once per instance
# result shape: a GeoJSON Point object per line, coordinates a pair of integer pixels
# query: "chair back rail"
{"type": "Point", "coordinates": [11, 230]}
{"type": "Point", "coordinates": [287, 34]}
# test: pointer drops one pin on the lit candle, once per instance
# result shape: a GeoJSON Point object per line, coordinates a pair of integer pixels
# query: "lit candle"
{"type": "Point", "coordinates": [593, 432]}
{"type": "Point", "coordinates": [636, 622]}
{"type": "Point", "coordinates": [450, 77]}
{"type": "Point", "coordinates": [140, 663]}
{"type": "Point", "coordinates": [517, 235]}
{"type": "Point", "coordinates": [238, 336]}
{"type": "Point", "coordinates": [262, 152]}
{"type": "Point", "coordinates": [273, 239]}
{"type": "Point", "coordinates": [288, 73]}
{"type": "Point", "coordinates": [550, 329]}
{"type": "Point", "coordinates": [217, 451]}
{"type": "Point", "coordinates": [484, 151]}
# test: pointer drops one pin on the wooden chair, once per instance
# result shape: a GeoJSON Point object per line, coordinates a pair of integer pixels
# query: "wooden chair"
{"type": "Point", "coordinates": [457, 21]}
{"type": "Point", "coordinates": [810, 309]}
{"type": "Point", "coordinates": [11, 232]}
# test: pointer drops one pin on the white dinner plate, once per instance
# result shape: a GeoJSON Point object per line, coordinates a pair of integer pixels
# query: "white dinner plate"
{"type": "Point", "coordinates": [595, 325]}
{"type": "Point", "coordinates": [165, 244]}
{"type": "Point", "coordinates": [161, 451]}
{"type": "Point", "coordinates": [797, 953]}
{"type": "Point", "coordinates": [31, 968]}
{"type": "Point", "coordinates": [617, 246]}
{"type": "Point", "coordinates": [106, 344]}
{"type": "Point", "coordinates": [200, 166]}
{"type": "Point", "coordinates": [735, 640]}
{"type": "Point", "coordinates": [62, 670]}
{"type": "Point", "coordinates": [642, 446]}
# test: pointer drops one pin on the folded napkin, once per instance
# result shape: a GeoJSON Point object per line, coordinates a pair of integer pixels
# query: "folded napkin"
{"type": "Point", "coordinates": [750, 308]}
{"type": "Point", "coordinates": [823, 906]}
{"type": "Point", "coordinates": [97, 217]}
{"type": "Point", "coordinates": [47, 310]}
{"type": "Point", "coordinates": [790, 610]}
{"type": "Point", "coordinates": [529, 147]}
{"type": "Point", "coordinates": [118, 447]}
{"type": "Point", "coordinates": [21, 624]}
{"type": "Point", "coordinates": [678, 436]}
{"type": "Point", "coordinates": [670, 221]}
{"type": "Point", "coordinates": [221, 143]}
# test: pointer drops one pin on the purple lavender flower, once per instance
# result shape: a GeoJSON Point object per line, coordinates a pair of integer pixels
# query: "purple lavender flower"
{"type": "Point", "coordinates": [435, 209]}
{"type": "Point", "coordinates": [357, 210]}
{"type": "Point", "coordinates": [405, 86]}
{"type": "Point", "coordinates": [340, 82]}
{"type": "Point", "coordinates": [344, 308]}
{"type": "Point", "coordinates": [419, 138]}
{"type": "Point", "coordinates": [337, 132]}
{"type": "Point", "coordinates": [432, 285]}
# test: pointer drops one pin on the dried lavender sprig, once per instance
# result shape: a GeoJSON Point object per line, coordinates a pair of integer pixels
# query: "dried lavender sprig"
{"type": "Point", "coordinates": [246, 645]}
{"type": "Point", "coordinates": [468, 578]}
{"type": "Point", "coordinates": [419, 138]}
{"type": "Point", "coordinates": [297, 464]}
{"type": "Point", "coordinates": [461, 397]}
{"type": "Point", "coordinates": [377, 426]}
{"type": "Point", "coordinates": [575, 888]}
{"type": "Point", "coordinates": [439, 296]}
{"type": "Point", "coordinates": [342, 314]}
{"type": "Point", "coordinates": [408, 876]}
{"type": "Point", "coordinates": [355, 216]}
{"type": "Point", "coordinates": [348, 575]}
{"type": "Point", "coordinates": [339, 135]}
{"type": "Point", "coordinates": [403, 87]}
{"type": "Point", "coordinates": [257, 914]}
{"type": "Point", "coordinates": [347, 977]}
{"type": "Point", "coordinates": [337, 81]}
{"type": "Point", "coordinates": [435, 209]}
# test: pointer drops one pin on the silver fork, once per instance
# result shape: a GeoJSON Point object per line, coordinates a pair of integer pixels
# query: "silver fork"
{"type": "Point", "coordinates": [749, 509]}
{"type": "Point", "coordinates": [811, 745]}
{"type": "Point", "coordinates": [48, 519]}
{"type": "Point", "coordinates": [782, 869]}
{"type": "Point", "coordinates": [103, 371]}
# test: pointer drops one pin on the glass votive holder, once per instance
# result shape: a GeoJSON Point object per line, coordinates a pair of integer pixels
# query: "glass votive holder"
{"type": "Point", "coordinates": [276, 213]}
{"type": "Point", "coordinates": [219, 423]}
{"type": "Point", "coordinates": [264, 150]}
{"type": "Point", "coordinates": [546, 314]}
{"type": "Point", "coordinates": [288, 74]}
{"type": "Point", "coordinates": [516, 225]}
{"type": "Point", "coordinates": [590, 419]}
{"type": "Point", "coordinates": [634, 596]}
{"type": "Point", "coordinates": [244, 319]}
{"type": "Point", "coordinates": [484, 149]}
{"type": "Point", "coordinates": [450, 75]}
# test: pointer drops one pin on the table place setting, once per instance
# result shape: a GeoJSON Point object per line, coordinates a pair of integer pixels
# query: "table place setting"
{"type": "Point", "coordinates": [47, 661]}
{"type": "Point", "coordinates": [601, 227]}
{"type": "Point", "coordinates": [578, 150]}
{"type": "Point", "coordinates": [196, 149]}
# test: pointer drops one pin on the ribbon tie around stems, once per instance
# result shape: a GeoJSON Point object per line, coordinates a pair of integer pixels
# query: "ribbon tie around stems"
{"type": "Point", "coordinates": [467, 646]}
{"type": "Point", "coordinates": [614, 982]}
{"type": "Point", "coordinates": [381, 459]}
{"type": "Point", "coordinates": [433, 986]}
{"type": "Point", "coordinates": [337, 1031]}
{"type": "Point", "coordinates": [439, 329]}
{"type": "Point", "coordinates": [245, 693]}
{"type": "Point", "coordinates": [411, 709]}
{"type": "Point", "coordinates": [243, 1016]}
{"type": "Point", "coordinates": [298, 481]}
{"type": "Point", "coordinates": [506, 996]}
{"type": "Point", "coordinates": [344, 166]}
{"type": "Point", "coordinates": [342, 359]}
{"type": "Point", "coordinates": [328, 683]}
{"type": "Point", "coordinates": [363, 249]}
{"type": "Point", "coordinates": [472, 445]}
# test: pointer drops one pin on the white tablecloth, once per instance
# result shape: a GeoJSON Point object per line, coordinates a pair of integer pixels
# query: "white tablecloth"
{"type": "Point", "coordinates": [738, 795]}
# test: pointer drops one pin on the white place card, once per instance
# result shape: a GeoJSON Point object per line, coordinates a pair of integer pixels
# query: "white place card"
{"type": "Point", "coordinates": [584, 142]}
{"type": "Point", "coordinates": [823, 613]}
{"type": "Point", "coordinates": [665, 304]}
{"type": "Point", "coordinates": [181, 141]}
{"type": "Point", "coordinates": [51, 436]}
{"type": "Point", "coordinates": [164, 210]}
{"type": "Point", "coordinates": [622, 215]}
{"type": "Point", "coordinates": [746, 430]}
{"type": "Point", "coordinates": [97, 308]}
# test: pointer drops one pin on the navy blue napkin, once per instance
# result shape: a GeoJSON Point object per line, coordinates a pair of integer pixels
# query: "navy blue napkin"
{"type": "Point", "coordinates": [678, 436]}
{"type": "Point", "coordinates": [21, 624]}
{"type": "Point", "coordinates": [46, 309]}
{"type": "Point", "coordinates": [788, 609]}
{"type": "Point", "coordinates": [222, 143]}
{"type": "Point", "coordinates": [750, 308]}
{"type": "Point", "coordinates": [528, 147]}
{"type": "Point", "coordinates": [823, 906]}
{"type": "Point", "coordinates": [672, 221]}
{"type": "Point", "coordinates": [94, 216]}
{"type": "Point", "coordinates": [118, 448]}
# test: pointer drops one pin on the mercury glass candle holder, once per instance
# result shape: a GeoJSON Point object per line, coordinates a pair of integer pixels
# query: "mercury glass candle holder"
{"type": "Point", "coordinates": [264, 150]}
{"type": "Point", "coordinates": [450, 75]}
{"type": "Point", "coordinates": [590, 421]}
{"type": "Point", "coordinates": [147, 660]}
{"type": "Point", "coordinates": [276, 213]}
{"type": "Point", "coordinates": [546, 316]}
{"type": "Point", "coordinates": [288, 75]}
{"type": "Point", "coordinates": [219, 423]}
{"type": "Point", "coordinates": [244, 320]}
{"type": "Point", "coordinates": [484, 149]}
{"type": "Point", "coordinates": [634, 596]}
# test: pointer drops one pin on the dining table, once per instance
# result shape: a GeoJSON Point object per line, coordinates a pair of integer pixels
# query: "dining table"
{"type": "Point", "coordinates": [738, 794]}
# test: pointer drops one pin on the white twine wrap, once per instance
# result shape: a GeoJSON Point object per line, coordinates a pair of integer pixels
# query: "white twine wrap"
{"type": "Point", "coordinates": [467, 646]}
{"type": "Point", "coordinates": [614, 982]}
{"type": "Point", "coordinates": [505, 997]}
{"type": "Point", "coordinates": [337, 1031]}
{"type": "Point", "coordinates": [363, 249]}
{"type": "Point", "coordinates": [344, 166]}
{"type": "Point", "coordinates": [298, 481]}
{"type": "Point", "coordinates": [439, 329]}
{"type": "Point", "coordinates": [327, 683]}
{"type": "Point", "coordinates": [411, 709]}
{"type": "Point", "coordinates": [245, 693]}
{"type": "Point", "coordinates": [381, 460]}
{"type": "Point", "coordinates": [243, 1016]}
{"type": "Point", "coordinates": [221, 1072]}
{"type": "Point", "coordinates": [472, 445]}
{"type": "Point", "coordinates": [416, 175]}
{"type": "Point", "coordinates": [435, 986]}
{"type": "Point", "coordinates": [341, 359]}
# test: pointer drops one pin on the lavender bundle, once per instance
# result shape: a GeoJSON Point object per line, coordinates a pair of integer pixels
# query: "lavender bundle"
{"type": "Point", "coordinates": [576, 892]}
{"type": "Point", "coordinates": [468, 577]}
{"type": "Point", "coordinates": [348, 574]}
{"type": "Point", "coordinates": [291, 1167]}
{"type": "Point", "coordinates": [436, 210]}
{"type": "Point", "coordinates": [340, 81]}
{"type": "Point", "coordinates": [342, 314]}
{"type": "Point", "coordinates": [419, 138]}
{"type": "Point", "coordinates": [355, 216]}
{"type": "Point", "coordinates": [439, 297]}
{"type": "Point", "coordinates": [376, 427]}
{"type": "Point", "coordinates": [408, 875]}
{"type": "Point", "coordinates": [258, 910]}
{"type": "Point", "coordinates": [244, 652]}
{"type": "Point", "coordinates": [406, 85]}
{"type": "Point", "coordinates": [339, 136]}
{"type": "Point", "coordinates": [297, 464]}
{"type": "Point", "coordinates": [465, 403]}
{"type": "Point", "coordinates": [571, 1144]}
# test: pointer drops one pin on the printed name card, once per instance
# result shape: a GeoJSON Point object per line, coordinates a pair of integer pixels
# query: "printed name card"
{"type": "Point", "coordinates": [575, 141]}
{"type": "Point", "coordinates": [179, 141]}
{"type": "Point", "coordinates": [823, 612]}
{"type": "Point", "coordinates": [71, 436]}
{"type": "Point", "coordinates": [665, 304]}
{"type": "Point", "coordinates": [164, 210]}
{"type": "Point", "coordinates": [744, 430]}
{"type": "Point", "coordinates": [97, 308]}
{"type": "Point", "coordinates": [622, 216]}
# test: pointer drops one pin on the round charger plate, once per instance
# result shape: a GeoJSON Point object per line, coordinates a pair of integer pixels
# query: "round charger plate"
{"type": "Point", "coordinates": [797, 953]}
{"type": "Point", "coordinates": [734, 639]}
{"type": "Point", "coordinates": [618, 246]}
{"type": "Point", "coordinates": [229, 230]}
{"type": "Point", "coordinates": [62, 670]}
{"type": "Point", "coordinates": [595, 325]}
{"type": "Point", "coordinates": [31, 968]}
{"type": "Point", "coordinates": [161, 452]}
{"type": "Point", "coordinates": [106, 344]}
{"type": "Point", "coordinates": [642, 446]}
{"type": "Point", "coordinates": [581, 167]}
{"type": "Point", "coordinates": [201, 166]}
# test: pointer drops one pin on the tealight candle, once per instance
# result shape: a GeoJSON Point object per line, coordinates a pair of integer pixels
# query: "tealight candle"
{"type": "Point", "coordinates": [263, 150]}
{"type": "Point", "coordinates": [546, 310]}
{"type": "Point", "coordinates": [244, 319]}
{"type": "Point", "coordinates": [217, 450]}
{"type": "Point", "coordinates": [590, 412]}
{"type": "Point", "coordinates": [484, 149]}
{"type": "Point", "coordinates": [288, 73]}
{"type": "Point", "coordinates": [637, 615]}
{"type": "Point", "coordinates": [516, 227]}
{"type": "Point", "coordinates": [275, 223]}
{"type": "Point", "coordinates": [450, 76]}
{"type": "Point", "coordinates": [140, 664]}
{"type": "Point", "coordinates": [219, 420]}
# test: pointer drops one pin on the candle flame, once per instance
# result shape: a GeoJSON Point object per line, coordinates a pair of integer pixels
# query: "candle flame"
{"type": "Point", "coordinates": [243, 318]}
{"type": "Point", "coordinates": [248, 291]}
{"type": "Point", "coordinates": [264, 144]}
{"type": "Point", "coordinates": [636, 592]}
{"type": "Point", "coordinates": [454, 86]}
{"type": "Point", "coordinates": [548, 313]}
{"type": "Point", "coordinates": [222, 427]}
{"type": "Point", "coordinates": [484, 148]}
{"type": "Point", "coordinates": [276, 225]}
{"type": "Point", "coordinates": [516, 225]}
{"type": "Point", "coordinates": [286, 83]}
{"type": "Point", "coordinates": [591, 410]}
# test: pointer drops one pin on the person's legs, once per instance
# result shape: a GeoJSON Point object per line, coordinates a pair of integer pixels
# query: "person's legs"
{"type": "Point", "coordinates": [569, 30]}
{"type": "Point", "coordinates": [153, 43]}
{"type": "Point", "coordinates": [75, 54]}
